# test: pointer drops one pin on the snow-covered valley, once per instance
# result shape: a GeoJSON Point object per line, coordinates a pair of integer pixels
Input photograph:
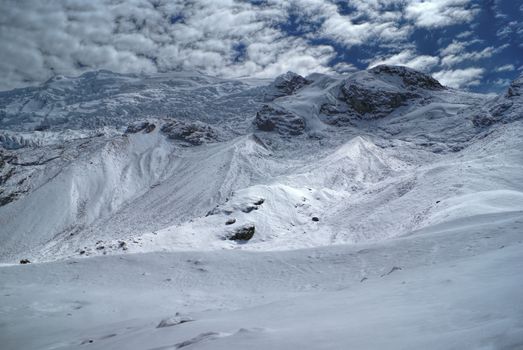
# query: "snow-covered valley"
{"type": "Point", "coordinates": [369, 211]}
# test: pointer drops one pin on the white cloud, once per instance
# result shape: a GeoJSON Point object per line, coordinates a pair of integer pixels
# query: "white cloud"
{"type": "Point", "coordinates": [457, 54]}
{"type": "Point", "coordinates": [410, 59]}
{"type": "Point", "coordinates": [454, 48]}
{"type": "Point", "coordinates": [439, 13]}
{"type": "Point", "coordinates": [460, 78]}
{"type": "Point", "coordinates": [502, 82]}
{"type": "Point", "coordinates": [40, 38]}
{"type": "Point", "coordinates": [506, 68]}
{"type": "Point", "coordinates": [459, 57]}
{"type": "Point", "coordinates": [344, 67]}
{"type": "Point", "coordinates": [219, 37]}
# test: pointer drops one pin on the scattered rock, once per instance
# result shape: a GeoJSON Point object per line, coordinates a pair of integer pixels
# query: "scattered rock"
{"type": "Point", "coordinates": [243, 233]}
{"type": "Point", "coordinates": [315, 218]}
{"type": "Point", "coordinates": [82, 252]}
{"type": "Point", "coordinates": [25, 261]}
{"type": "Point", "coordinates": [230, 221]}
{"type": "Point", "coordinates": [100, 247]}
{"type": "Point", "coordinates": [122, 245]}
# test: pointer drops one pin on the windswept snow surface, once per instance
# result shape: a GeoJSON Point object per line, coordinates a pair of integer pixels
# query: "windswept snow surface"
{"type": "Point", "coordinates": [387, 213]}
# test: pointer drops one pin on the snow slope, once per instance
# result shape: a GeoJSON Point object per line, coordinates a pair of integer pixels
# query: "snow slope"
{"type": "Point", "coordinates": [376, 201]}
{"type": "Point", "coordinates": [454, 286]}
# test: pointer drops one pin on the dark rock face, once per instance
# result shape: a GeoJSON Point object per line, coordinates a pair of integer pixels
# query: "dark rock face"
{"type": "Point", "coordinates": [243, 233]}
{"type": "Point", "coordinates": [7, 173]}
{"type": "Point", "coordinates": [315, 218]}
{"type": "Point", "coordinates": [8, 198]}
{"type": "Point", "coordinates": [365, 100]}
{"type": "Point", "coordinates": [376, 93]}
{"type": "Point", "coordinates": [279, 120]}
{"type": "Point", "coordinates": [289, 83]}
{"type": "Point", "coordinates": [410, 77]}
{"type": "Point", "coordinates": [25, 261]}
{"type": "Point", "coordinates": [191, 133]}
{"type": "Point", "coordinates": [146, 127]}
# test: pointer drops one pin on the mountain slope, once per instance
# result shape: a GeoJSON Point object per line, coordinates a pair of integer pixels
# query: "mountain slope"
{"type": "Point", "coordinates": [171, 182]}
{"type": "Point", "coordinates": [180, 211]}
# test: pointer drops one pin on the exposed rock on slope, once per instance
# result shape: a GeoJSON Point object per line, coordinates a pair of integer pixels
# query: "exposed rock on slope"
{"type": "Point", "coordinates": [379, 91]}
{"type": "Point", "coordinates": [271, 118]}
{"type": "Point", "coordinates": [286, 84]}
{"type": "Point", "coordinates": [410, 78]}
{"type": "Point", "coordinates": [504, 109]}
{"type": "Point", "coordinates": [66, 187]}
{"type": "Point", "coordinates": [190, 133]}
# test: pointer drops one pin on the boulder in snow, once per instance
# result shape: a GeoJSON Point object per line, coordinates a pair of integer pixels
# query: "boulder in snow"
{"type": "Point", "coordinates": [243, 233]}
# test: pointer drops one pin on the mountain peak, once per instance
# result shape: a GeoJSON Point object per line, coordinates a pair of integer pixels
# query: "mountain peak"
{"type": "Point", "coordinates": [409, 76]}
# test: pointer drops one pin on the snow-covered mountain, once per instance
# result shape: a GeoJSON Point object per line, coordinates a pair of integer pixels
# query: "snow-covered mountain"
{"type": "Point", "coordinates": [374, 172]}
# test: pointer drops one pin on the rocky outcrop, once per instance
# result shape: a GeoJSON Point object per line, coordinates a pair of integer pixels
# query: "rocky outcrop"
{"type": "Point", "coordinates": [190, 133]}
{"type": "Point", "coordinates": [378, 92]}
{"type": "Point", "coordinates": [377, 103]}
{"type": "Point", "coordinates": [277, 119]}
{"type": "Point", "coordinates": [288, 84]}
{"type": "Point", "coordinates": [410, 78]}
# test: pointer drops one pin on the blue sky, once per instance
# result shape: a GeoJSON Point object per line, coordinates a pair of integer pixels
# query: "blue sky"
{"type": "Point", "coordinates": [469, 44]}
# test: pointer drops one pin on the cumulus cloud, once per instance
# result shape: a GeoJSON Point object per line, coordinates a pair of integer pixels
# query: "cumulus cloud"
{"type": "Point", "coordinates": [456, 53]}
{"type": "Point", "coordinates": [460, 78]}
{"type": "Point", "coordinates": [218, 37]}
{"type": "Point", "coordinates": [229, 38]}
{"type": "Point", "coordinates": [459, 57]}
{"type": "Point", "coordinates": [440, 13]}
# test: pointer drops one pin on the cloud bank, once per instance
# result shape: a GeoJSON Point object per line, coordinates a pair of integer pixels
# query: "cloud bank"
{"type": "Point", "coordinates": [229, 38]}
